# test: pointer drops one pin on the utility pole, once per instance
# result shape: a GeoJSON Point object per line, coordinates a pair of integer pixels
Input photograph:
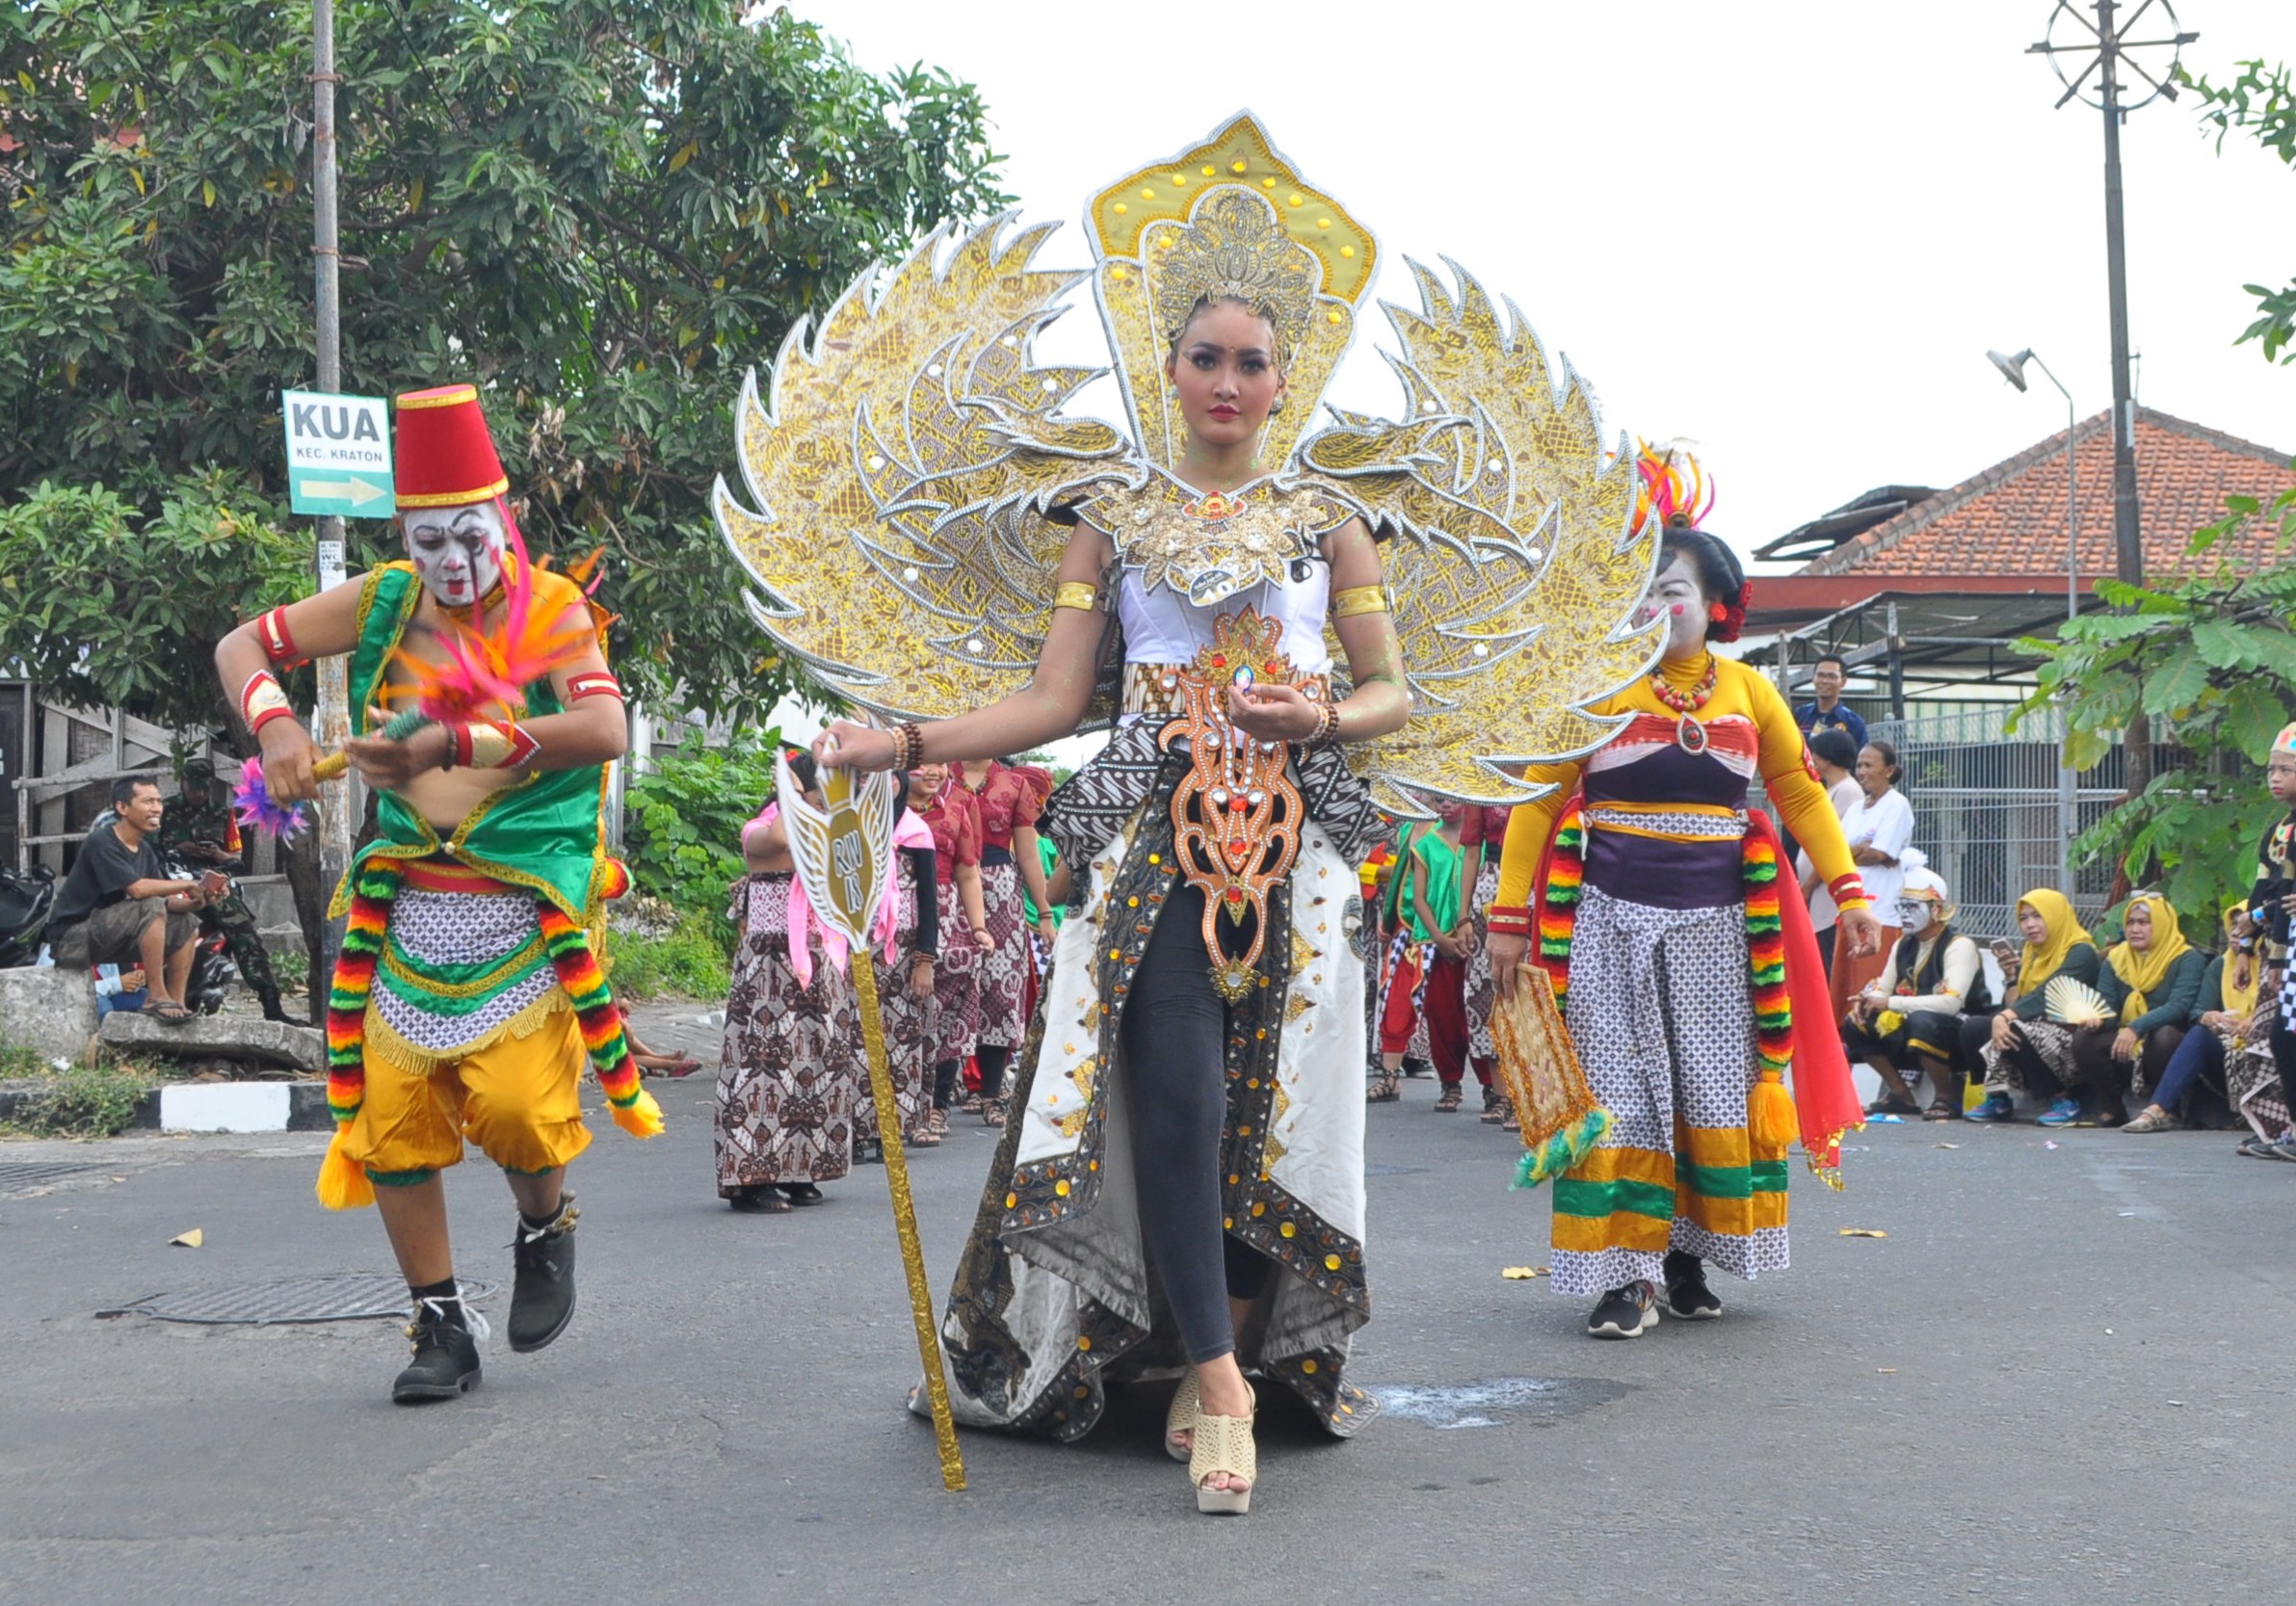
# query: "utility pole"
{"type": "Point", "coordinates": [2111, 51]}
{"type": "Point", "coordinates": [332, 716]}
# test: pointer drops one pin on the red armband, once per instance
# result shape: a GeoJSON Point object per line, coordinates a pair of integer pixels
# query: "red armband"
{"type": "Point", "coordinates": [261, 701]}
{"type": "Point", "coordinates": [592, 683]}
{"type": "Point", "coordinates": [1848, 892]}
{"type": "Point", "coordinates": [278, 642]}
{"type": "Point", "coordinates": [1507, 921]}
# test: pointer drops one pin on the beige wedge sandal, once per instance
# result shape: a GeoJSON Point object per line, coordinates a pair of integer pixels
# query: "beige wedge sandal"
{"type": "Point", "coordinates": [1223, 1444]}
{"type": "Point", "coordinates": [1181, 1417]}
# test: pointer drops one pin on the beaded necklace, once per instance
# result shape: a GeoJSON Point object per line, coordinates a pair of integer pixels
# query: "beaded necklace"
{"type": "Point", "coordinates": [1692, 700]}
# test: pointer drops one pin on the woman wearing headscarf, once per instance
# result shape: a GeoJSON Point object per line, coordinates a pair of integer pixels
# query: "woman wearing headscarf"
{"type": "Point", "coordinates": [2020, 1045]}
{"type": "Point", "coordinates": [1908, 1020]}
{"type": "Point", "coordinates": [2225, 1020]}
{"type": "Point", "coordinates": [2152, 979]}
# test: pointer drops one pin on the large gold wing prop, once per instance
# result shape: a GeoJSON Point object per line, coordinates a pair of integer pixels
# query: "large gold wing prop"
{"type": "Point", "coordinates": [1518, 566]}
{"type": "Point", "coordinates": [895, 474]}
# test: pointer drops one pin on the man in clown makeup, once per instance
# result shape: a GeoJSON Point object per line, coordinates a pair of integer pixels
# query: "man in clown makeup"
{"type": "Point", "coordinates": [467, 996]}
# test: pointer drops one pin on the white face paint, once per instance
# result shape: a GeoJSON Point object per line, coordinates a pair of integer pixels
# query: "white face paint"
{"type": "Point", "coordinates": [457, 552]}
{"type": "Point", "coordinates": [1675, 596]}
{"type": "Point", "coordinates": [1913, 915]}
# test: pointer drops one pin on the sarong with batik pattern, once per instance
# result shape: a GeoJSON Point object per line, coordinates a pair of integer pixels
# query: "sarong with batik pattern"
{"type": "Point", "coordinates": [1481, 993]}
{"type": "Point", "coordinates": [1053, 1297]}
{"type": "Point", "coordinates": [909, 1024]}
{"type": "Point", "coordinates": [785, 1083]}
{"type": "Point", "coordinates": [1663, 1021]}
{"type": "Point", "coordinates": [2049, 1041]}
{"type": "Point", "coordinates": [1003, 968]}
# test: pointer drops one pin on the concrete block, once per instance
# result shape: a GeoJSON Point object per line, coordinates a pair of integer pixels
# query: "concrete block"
{"type": "Point", "coordinates": [220, 1037]}
{"type": "Point", "coordinates": [49, 1008]}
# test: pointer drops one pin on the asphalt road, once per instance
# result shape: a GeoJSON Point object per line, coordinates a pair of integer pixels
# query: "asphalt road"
{"type": "Point", "coordinates": [2055, 1380]}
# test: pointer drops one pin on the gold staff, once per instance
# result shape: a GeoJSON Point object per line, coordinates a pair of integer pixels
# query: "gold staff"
{"type": "Point", "coordinates": [841, 857]}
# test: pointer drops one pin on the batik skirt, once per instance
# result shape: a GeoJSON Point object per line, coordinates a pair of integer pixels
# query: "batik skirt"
{"type": "Point", "coordinates": [1053, 1297]}
{"type": "Point", "coordinates": [909, 1035]}
{"type": "Point", "coordinates": [1481, 990]}
{"type": "Point", "coordinates": [785, 1083]}
{"type": "Point", "coordinates": [1003, 967]}
{"type": "Point", "coordinates": [1661, 1012]}
{"type": "Point", "coordinates": [956, 983]}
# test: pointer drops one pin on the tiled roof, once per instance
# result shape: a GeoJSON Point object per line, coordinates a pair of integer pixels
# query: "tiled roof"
{"type": "Point", "coordinates": [2010, 519]}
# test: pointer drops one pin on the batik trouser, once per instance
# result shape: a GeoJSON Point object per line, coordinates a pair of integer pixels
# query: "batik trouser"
{"type": "Point", "coordinates": [1661, 1012]}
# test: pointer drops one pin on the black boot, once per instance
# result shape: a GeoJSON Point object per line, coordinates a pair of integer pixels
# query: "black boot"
{"type": "Point", "coordinates": [543, 1296]}
{"type": "Point", "coordinates": [445, 1360]}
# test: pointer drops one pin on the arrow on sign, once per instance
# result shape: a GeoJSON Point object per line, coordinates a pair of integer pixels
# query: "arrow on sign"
{"type": "Point", "coordinates": [354, 490]}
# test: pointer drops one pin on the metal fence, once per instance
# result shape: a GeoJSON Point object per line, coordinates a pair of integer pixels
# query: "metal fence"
{"type": "Point", "coordinates": [1987, 811]}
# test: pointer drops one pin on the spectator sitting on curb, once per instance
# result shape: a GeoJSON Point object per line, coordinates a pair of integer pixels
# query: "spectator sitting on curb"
{"type": "Point", "coordinates": [1908, 1020]}
{"type": "Point", "coordinates": [117, 905]}
{"type": "Point", "coordinates": [118, 990]}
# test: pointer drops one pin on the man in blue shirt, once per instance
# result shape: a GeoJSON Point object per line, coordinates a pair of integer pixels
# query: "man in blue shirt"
{"type": "Point", "coordinates": [1827, 680]}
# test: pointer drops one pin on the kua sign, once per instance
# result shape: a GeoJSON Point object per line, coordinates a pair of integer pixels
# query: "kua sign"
{"type": "Point", "coordinates": [338, 454]}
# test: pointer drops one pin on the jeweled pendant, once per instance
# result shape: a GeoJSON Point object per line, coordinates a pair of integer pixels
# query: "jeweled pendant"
{"type": "Point", "coordinates": [1689, 734]}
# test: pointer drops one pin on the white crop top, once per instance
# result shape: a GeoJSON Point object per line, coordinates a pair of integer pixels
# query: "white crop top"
{"type": "Point", "coordinates": [1163, 626]}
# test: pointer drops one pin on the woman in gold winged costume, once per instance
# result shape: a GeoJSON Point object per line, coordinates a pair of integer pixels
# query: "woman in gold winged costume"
{"type": "Point", "coordinates": [1180, 1187]}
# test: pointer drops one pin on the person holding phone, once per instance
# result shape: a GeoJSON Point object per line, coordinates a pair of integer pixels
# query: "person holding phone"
{"type": "Point", "coordinates": [118, 906]}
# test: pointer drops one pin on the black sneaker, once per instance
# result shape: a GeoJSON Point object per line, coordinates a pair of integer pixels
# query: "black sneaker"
{"type": "Point", "coordinates": [1416, 1068]}
{"type": "Point", "coordinates": [445, 1360]}
{"type": "Point", "coordinates": [542, 1297]}
{"type": "Point", "coordinates": [1688, 1299]}
{"type": "Point", "coordinates": [1626, 1312]}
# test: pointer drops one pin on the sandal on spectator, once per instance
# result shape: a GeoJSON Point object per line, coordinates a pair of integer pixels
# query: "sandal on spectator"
{"type": "Point", "coordinates": [1890, 1104]}
{"type": "Point", "coordinates": [2152, 1119]}
{"type": "Point", "coordinates": [1942, 1108]}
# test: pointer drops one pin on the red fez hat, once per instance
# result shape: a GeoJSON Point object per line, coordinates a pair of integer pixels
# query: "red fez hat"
{"type": "Point", "coordinates": [445, 456]}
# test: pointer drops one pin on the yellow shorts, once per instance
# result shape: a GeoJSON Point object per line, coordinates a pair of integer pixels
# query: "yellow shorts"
{"type": "Point", "coordinates": [519, 1098]}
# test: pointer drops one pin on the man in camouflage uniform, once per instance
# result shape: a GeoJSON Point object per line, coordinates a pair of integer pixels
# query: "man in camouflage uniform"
{"type": "Point", "coordinates": [199, 828]}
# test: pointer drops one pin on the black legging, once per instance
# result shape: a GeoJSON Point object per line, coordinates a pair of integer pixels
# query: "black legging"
{"type": "Point", "coordinates": [1173, 1038]}
{"type": "Point", "coordinates": [2107, 1078]}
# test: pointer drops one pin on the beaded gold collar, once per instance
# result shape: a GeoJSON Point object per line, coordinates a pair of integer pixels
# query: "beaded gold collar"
{"type": "Point", "coordinates": [1208, 544]}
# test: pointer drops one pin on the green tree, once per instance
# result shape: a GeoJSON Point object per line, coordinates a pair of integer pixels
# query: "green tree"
{"type": "Point", "coordinates": [2261, 101]}
{"type": "Point", "coordinates": [2212, 661]}
{"type": "Point", "coordinates": [601, 210]}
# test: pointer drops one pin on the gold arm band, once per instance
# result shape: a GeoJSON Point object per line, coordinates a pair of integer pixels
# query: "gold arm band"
{"type": "Point", "coordinates": [1359, 599]}
{"type": "Point", "coordinates": [1078, 594]}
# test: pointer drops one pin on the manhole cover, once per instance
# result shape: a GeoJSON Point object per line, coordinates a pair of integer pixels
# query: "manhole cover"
{"type": "Point", "coordinates": [20, 1178]}
{"type": "Point", "coordinates": [339, 1297]}
{"type": "Point", "coordinates": [1392, 1171]}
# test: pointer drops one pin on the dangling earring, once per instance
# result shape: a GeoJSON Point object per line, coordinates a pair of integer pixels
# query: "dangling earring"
{"type": "Point", "coordinates": [1275, 406]}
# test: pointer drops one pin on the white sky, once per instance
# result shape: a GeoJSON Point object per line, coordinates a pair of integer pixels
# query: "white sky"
{"type": "Point", "coordinates": [1785, 229]}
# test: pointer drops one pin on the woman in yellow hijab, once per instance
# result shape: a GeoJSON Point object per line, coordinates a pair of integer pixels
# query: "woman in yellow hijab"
{"type": "Point", "coordinates": [2224, 1015]}
{"type": "Point", "coordinates": [2022, 1048]}
{"type": "Point", "coordinates": [2151, 983]}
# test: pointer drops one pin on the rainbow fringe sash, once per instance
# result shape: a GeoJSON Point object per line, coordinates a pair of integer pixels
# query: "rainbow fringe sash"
{"type": "Point", "coordinates": [344, 1185]}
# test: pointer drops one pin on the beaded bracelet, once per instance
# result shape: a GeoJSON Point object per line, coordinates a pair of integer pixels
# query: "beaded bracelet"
{"type": "Point", "coordinates": [908, 746]}
{"type": "Point", "coordinates": [1327, 728]}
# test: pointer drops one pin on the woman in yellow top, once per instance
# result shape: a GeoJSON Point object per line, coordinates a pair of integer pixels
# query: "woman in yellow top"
{"type": "Point", "coordinates": [1662, 924]}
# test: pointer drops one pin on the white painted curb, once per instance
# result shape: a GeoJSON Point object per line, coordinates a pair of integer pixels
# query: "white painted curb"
{"type": "Point", "coordinates": [226, 1107]}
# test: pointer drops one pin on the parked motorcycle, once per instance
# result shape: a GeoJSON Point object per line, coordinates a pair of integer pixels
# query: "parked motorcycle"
{"type": "Point", "coordinates": [27, 898]}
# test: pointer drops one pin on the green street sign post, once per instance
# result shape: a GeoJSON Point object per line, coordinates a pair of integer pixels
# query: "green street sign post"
{"type": "Point", "coordinates": [338, 454]}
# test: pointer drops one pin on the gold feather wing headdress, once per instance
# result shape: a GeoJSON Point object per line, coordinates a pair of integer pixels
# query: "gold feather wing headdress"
{"type": "Point", "coordinates": [900, 467]}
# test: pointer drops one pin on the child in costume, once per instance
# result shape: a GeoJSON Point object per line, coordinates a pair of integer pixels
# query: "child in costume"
{"type": "Point", "coordinates": [1686, 978]}
{"type": "Point", "coordinates": [468, 995]}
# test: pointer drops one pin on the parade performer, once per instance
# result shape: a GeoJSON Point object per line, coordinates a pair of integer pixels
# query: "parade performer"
{"type": "Point", "coordinates": [1908, 1018]}
{"type": "Point", "coordinates": [786, 1080]}
{"type": "Point", "coordinates": [911, 921]}
{"type": "Point", "coordinates": [1010, 800]}
{"type": "Point", "coordinates": [1482, 837]}
{"type": "Point", "coordinates": [1684, 965]}
{"type": "Point", "coordinates": [468, 993]}
{"type": "Point", "coordinates": [952, 815]}
{"type": "Point", "coordinates": [1193, 1103]}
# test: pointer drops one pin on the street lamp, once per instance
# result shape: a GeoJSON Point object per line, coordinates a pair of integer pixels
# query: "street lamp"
{"type": "Point", "coordinates": [2013, 369]}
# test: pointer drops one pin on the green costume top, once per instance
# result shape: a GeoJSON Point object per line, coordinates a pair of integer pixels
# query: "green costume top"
{"type": "Point", "coordinates": [1441, 859]}
{"type": "Point", "coordinates": [547, 831]}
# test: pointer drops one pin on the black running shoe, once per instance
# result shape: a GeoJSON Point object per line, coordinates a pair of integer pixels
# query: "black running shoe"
{"type": "Point", "coordinates": [1688, 1299]}
{"type": "Point", "coordinates": [445, 1360]}
{"type": "Point", "coordinates": [1626, 1312]}
{"type": "Point", "coordinates": [542, 1296]}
